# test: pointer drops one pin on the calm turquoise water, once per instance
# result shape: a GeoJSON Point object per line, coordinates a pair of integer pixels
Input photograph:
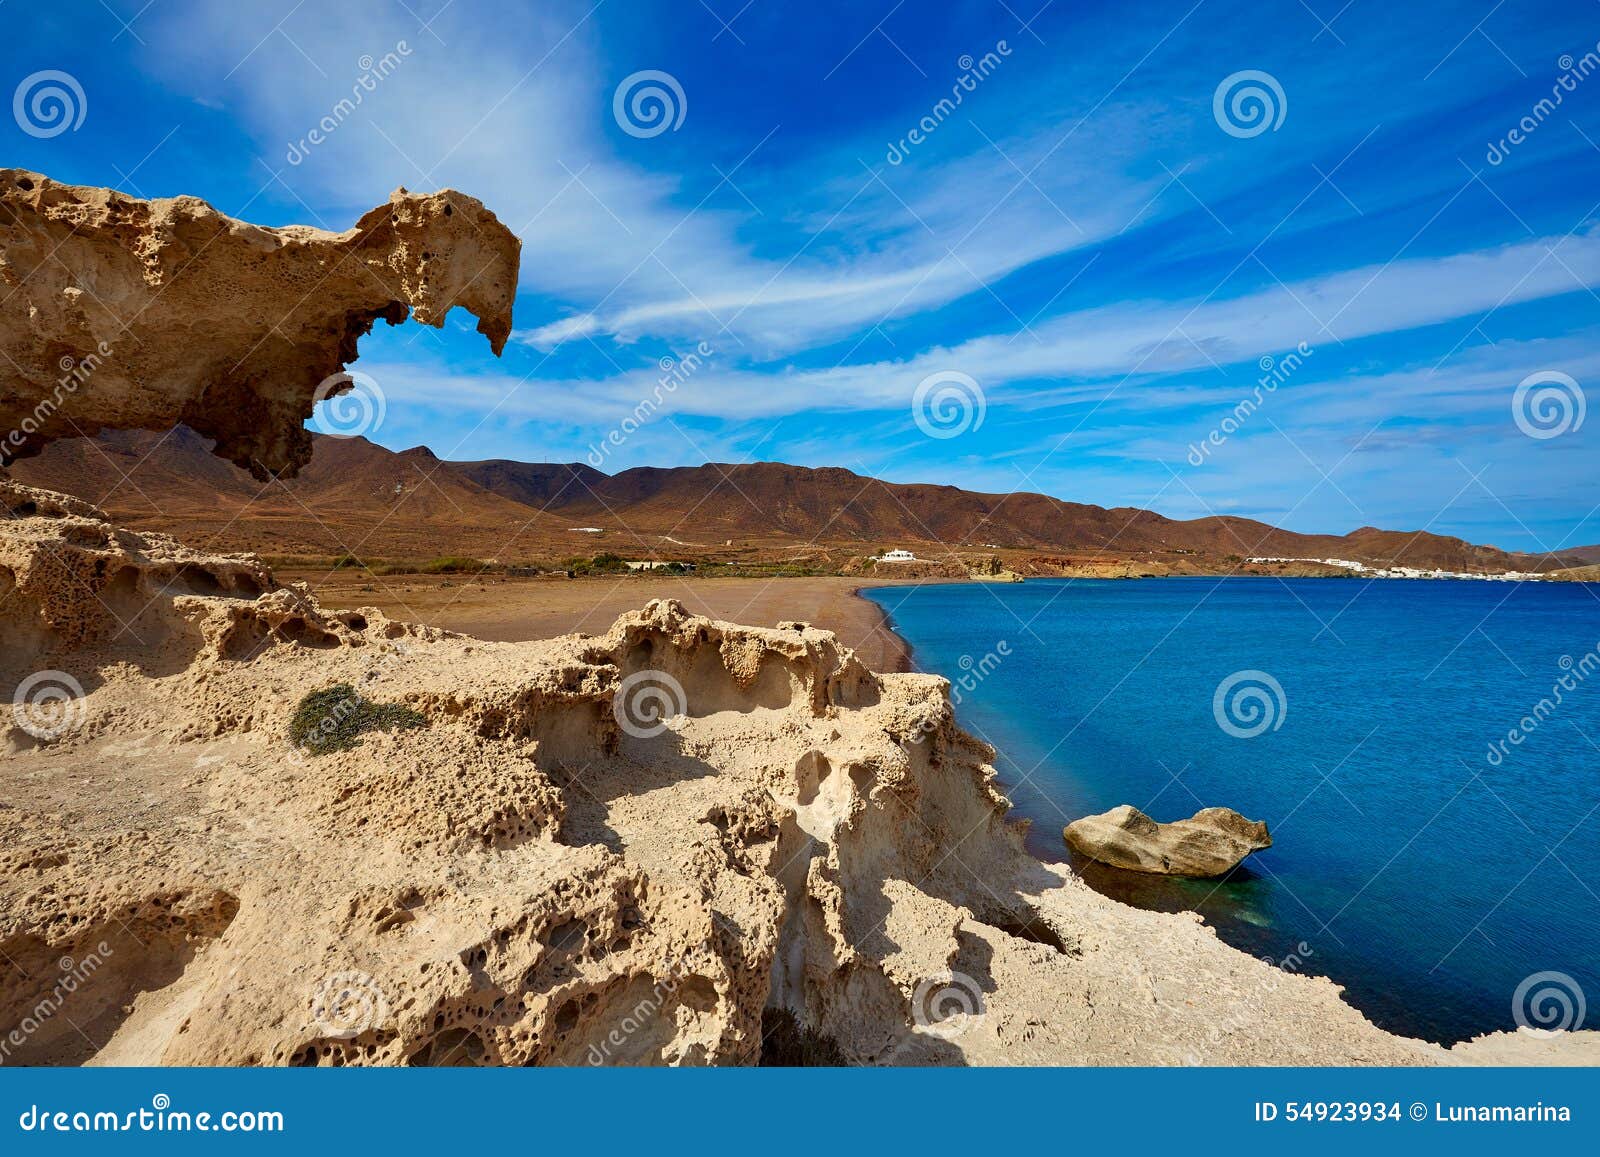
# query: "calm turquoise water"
{"type": "Point", "coordinates": [1426, 879]}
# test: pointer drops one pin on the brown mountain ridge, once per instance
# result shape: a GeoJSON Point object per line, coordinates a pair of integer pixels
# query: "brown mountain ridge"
{"type": "Point", "coordinates": [359, 498]}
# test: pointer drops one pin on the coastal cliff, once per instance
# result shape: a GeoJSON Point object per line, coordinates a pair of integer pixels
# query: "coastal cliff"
{"type": "Point", "coordinates": [243, 828]}
{"type": "Point", "coordinates": [681, 841]}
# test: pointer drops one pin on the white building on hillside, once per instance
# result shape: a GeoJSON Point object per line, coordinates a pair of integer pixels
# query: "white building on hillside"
{"type": "Point", "coordinates": [897, 556]}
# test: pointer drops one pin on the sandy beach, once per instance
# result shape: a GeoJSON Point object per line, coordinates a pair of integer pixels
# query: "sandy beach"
{"type": "Point", "coordinates": [510, 610]}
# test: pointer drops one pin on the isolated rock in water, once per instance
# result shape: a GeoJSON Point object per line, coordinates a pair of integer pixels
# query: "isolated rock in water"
{"type": "Point", "coordinates": [1209, 844]}
{"type": "Point", "coordinates": [131, 314]}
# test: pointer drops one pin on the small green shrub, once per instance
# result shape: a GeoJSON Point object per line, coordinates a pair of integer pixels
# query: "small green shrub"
{"type": "Point", "coordinates": [453, 564]}
{"type": "Point", "coordinates": [603, 563]}
{"type": "Point", "coordinates": [335, 718]}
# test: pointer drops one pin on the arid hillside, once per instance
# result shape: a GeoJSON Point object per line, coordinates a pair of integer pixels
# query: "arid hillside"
{"type": "Point", "coordinates": [355, 497]}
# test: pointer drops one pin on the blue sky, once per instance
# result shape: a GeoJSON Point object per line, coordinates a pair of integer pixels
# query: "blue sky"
{"type": "Point", "coordinates": [1081, 242]}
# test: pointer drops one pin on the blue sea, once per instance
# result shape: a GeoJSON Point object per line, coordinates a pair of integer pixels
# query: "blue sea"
{"type": "Point", "coordinates": [1423, 858]}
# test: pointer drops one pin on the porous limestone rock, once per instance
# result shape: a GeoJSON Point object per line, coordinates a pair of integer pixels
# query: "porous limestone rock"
{"type": "Point", "coordinates": [1210, 843]}
{"type": "Point", "coordinates": [679, 842]}
{"type": "Point", "coordinates": [130, 314]}
{"type": "Point", "coordinates": [674, 843]}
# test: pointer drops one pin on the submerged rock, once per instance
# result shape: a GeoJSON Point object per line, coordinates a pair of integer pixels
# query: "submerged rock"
{"type": "Point", "coordinates": [1211, 843]}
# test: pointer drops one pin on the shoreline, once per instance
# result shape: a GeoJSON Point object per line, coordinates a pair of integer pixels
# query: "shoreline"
{"type": "Point", "coordinates": [1228, 918]}
{"type": "Point", "coordinates": [905, 659]}
{"type": "Point", "coordinates": [526, 800]}
{"type": "Point", "coordinates": [514, 610]}
{"type": "Point", "coordinates": [530, 610]}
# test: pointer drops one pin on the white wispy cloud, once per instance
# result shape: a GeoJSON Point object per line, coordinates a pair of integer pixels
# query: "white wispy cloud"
{"type": "Point", "coordinates": [514, 106]}
{"type": "Point", "coordinates": [1140, 350]}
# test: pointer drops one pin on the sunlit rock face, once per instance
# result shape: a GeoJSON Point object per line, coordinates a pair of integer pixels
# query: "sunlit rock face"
{"type": "Point", "coordinates": [129, 314]}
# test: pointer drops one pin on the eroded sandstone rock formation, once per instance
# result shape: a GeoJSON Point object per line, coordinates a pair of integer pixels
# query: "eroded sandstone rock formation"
{"type": "Point", "coordinates": [1212, 842]}
{"type": "Point", "coordinates": [129, 314]}
{"type": "Point", "coordinates": [681, 841]}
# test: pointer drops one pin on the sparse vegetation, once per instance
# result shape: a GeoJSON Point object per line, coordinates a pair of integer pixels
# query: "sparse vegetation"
{"type": "Point", "coordinates": [445, 564]}
{"type": "Point", "coordinates": [335, 718]}
{"type": "Point", "coordinates": [454, 564]}
{"type": "Point", "coordinates": [603, 563]}
{"type": "Point", "coordinates": [786, 1043]}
